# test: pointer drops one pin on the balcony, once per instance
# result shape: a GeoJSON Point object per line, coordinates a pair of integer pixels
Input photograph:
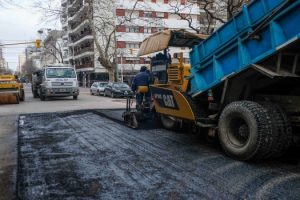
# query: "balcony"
{"type": "Point", "coordinates": [86, 65]}
{"type": "Point", "coordinates": [84, 50]}
{"type": "Point", "coordinates": [75, 38]}
{"type": "Point", "coordinates": [77, 23]}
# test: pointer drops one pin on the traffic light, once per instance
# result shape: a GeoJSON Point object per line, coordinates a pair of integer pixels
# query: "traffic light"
{"type": "Point", "coordinates": [38, 43]}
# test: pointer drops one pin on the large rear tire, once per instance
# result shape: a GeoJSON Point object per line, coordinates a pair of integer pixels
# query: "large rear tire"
{"type": "Point", "coordinates": [245, 130]}
{"type": "Point", "coordinates": [281, 128]}
{"type": "Point", "coordinates": [169, 122]}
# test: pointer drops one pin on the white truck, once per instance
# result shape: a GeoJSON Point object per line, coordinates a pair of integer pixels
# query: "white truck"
{"type": "Point", "coordinates": [55, 81]}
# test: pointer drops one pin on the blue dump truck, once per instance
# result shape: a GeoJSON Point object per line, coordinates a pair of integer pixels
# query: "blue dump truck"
{"type": "Point", "coordinates": [243, 83]}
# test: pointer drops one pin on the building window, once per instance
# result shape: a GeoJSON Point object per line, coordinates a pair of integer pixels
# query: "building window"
{"type": "Point", "coordinates": [153, 30]}
{"type": "Point", "coordinates": [148, 14]}
{"type": "Point", "coordinates": [132, 45]}
{"type": "Point", "coordinates": [120, 12]}
{"type": "Point", "coordinates": [160, 15]}
{"type": "Point", "coordinates": [147, 30]}
{"type": "Point", "coordinates": [121, 44]}
{"type": "Point", "coordinates": [132, 29]}
{"type": "Point", "coordinates": [132, 61]}
{"type": "Point", "coordinates": [147, 61]}
{"type": "Point", "coordinates": [160, 29]}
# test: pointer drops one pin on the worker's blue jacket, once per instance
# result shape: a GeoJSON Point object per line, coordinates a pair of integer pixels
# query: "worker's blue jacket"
{"type": "Point", "coordinates": [141, 79]}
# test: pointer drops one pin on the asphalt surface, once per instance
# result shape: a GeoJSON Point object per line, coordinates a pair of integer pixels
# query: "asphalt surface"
{"type": "Point", "coordinates": [91, 155]}
{"type": "Point", "coordinates": [8, 156]}
{"type": "Point", "coordinates": [9, 123]}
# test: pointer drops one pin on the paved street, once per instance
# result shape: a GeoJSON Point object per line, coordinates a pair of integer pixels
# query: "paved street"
{"type": "Point", "coordinates": [85, 101]}
{"type": "Point", "coordinates": [83, 155]}
{"type": "Point", "coordinates": [9, 120]}
{"type": "Point", "coordinates": [90, 154]}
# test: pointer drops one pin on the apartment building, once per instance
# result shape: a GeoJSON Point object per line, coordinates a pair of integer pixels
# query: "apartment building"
{"type": "Point", "coordinates": [3, 63]}
{"type": "Point", "coordinates": [134, 21]}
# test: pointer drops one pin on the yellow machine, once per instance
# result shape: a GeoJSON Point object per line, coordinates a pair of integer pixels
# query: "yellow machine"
{"type": "Point", "coordinates": [169, 91]}
{"type": "Point", "coordinates": [11, 90]}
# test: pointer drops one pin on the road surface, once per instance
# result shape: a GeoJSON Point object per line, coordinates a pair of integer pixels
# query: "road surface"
{"type": "Point", "coordinates": [85, 155]}
{"type": "Point", "coordinates": [85, 101]}
{"type": "Point", "coordinates": [90, 154]}
{"type": "Point", "coordinates": [9, 124]}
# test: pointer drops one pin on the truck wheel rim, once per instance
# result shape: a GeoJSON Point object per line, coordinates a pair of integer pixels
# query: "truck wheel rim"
{"type": "Point", "coordinates": [239, 131]}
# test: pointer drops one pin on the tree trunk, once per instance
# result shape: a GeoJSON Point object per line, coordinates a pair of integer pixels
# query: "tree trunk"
{"type": "Point", "coordinates": [111, 75]}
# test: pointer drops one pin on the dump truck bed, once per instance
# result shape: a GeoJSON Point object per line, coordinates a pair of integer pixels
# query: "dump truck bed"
{"type": "Point", "coordinates": [260, 30]}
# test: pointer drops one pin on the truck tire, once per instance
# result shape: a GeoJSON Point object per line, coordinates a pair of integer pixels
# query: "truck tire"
{"type": "Point", "coordinates": [169, 122]}
{"type": "Point", "coordinates": [34, 93]}
{"type": "Point", "coordinates": [17, 99]}
{"type": "Point", "coordinates": [75, 97]}
{"type": "Point", "coordinates": [42, 97]}
{"type": "Point", "coordinates": [245, 130]}
{"type": "Point", "coordinates": [281, 128]}
{"type": "Point", "coordinates": [22, 97]}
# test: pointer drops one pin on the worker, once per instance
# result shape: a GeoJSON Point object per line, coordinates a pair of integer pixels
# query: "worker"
{"type": "Point", "coordinates": [141, 79]}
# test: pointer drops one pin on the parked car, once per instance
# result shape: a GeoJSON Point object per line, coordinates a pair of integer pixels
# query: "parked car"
{"type": "Point", "coordinates": [117, 90]}
{"type": "Point", "coordinates": [97, 88]}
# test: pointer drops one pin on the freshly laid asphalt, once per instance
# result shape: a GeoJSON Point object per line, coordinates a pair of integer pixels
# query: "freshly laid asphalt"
{"type": "Point", "coordinates": [93, 155]}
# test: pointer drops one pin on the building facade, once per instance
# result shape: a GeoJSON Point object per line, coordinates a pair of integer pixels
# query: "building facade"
{"type": "Point", "coordinates": [21, 62]}
{"type": "Point", "coordinates": [133, 21]}
{"type": "Point", "coordinates": [3, 62]}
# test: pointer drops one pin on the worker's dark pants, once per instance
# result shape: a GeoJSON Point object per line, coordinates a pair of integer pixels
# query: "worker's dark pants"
{"type": "Point", "coordinates": [139, 98]}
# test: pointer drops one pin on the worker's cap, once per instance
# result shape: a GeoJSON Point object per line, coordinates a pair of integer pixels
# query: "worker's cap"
{"type": "Point", "coordinates": [143, 69]}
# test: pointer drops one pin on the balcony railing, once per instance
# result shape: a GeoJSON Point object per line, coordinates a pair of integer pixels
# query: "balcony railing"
{"type": "Point", "coordinates": [86, 65]}
{"type": "Point", "coordinates": [81, 51]}
{"type": "Point", "coordinates": [77, 23]}
{"type": "Point", "coordinates": [78, 37]}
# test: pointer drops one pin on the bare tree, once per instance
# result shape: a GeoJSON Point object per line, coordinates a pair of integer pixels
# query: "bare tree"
{"type": "Point", "coordinates": [104, 25]}
{"type": "Point", "coordinates": [50, 10]}
{"type": "Point", "coordinates": [215, 12]}
{"type": "Point", "coordinates": [53, 48]}
{"type": "Point", "coordinates": [28, 68]}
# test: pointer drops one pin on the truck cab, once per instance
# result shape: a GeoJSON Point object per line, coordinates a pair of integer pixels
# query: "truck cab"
{"type": "Point", "coordinates": [55, 81]}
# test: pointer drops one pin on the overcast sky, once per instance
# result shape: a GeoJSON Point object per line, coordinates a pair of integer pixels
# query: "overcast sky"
{"type": "Point", "coordinates": [19, 24]}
